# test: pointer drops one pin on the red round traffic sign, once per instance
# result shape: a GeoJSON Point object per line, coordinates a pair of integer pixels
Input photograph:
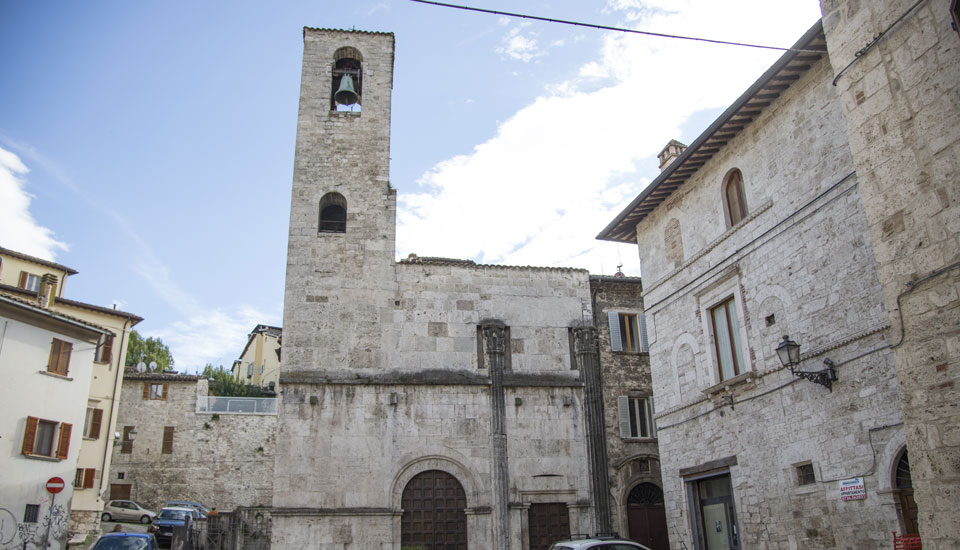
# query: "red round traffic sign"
{"type": "Point", "coordinates": [55, 485]}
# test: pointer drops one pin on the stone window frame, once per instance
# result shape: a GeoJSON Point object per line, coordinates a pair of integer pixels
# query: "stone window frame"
{"type": "Point", "coordinates": [734, 176]}
{"type": "Point", "coordinates": [332, 207]}
{"type": "Point", "coordinates": [713, 295]}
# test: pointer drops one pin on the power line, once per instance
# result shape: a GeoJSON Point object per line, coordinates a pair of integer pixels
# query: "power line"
{"type": "Point", "coordinates": [618, 29]}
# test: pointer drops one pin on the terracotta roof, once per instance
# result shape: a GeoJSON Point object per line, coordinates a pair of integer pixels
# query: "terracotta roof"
{"type": "Point", "coordinates": [34, 259]}
{"type": "Point", "coordinates": [305, 29]}
{"type": "Point", "coordinates": [110, 311]}
{"type": "Point", "coordinates": [745, 109]}
{"type": "Point", "coordinates": [434, 260]}
{"type": "Point", "coordinates": [131, 374]}
{"type": "Point", "coordinates": [54, 314]}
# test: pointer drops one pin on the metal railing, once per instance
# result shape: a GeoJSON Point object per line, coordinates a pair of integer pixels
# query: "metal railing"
{"type": "Point", "coordinates": [237, 405]}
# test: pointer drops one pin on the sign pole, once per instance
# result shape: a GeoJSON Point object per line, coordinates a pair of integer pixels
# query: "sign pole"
{"type": "Point", "coordinates": [46, 538]}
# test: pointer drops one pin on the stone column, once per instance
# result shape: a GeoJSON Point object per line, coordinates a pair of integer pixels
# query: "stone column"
{"type": "Point", "coordinates": [494, 336]}
{"type": "Point", "coordinates": [585, 343]}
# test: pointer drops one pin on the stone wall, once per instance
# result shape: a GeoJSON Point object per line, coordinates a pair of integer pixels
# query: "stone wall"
{"type": "Point", "coordinates": [222, 460]}
{"type": "Point", "coordinates": [801, 263]}
{"type": "Point", "coordinates": [631, 460]}
{"type": "Point", "coordinates": [902, 114]}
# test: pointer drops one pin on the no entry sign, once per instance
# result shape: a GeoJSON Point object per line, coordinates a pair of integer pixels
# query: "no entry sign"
{"type": "Point", "coordinates": [55, 485]}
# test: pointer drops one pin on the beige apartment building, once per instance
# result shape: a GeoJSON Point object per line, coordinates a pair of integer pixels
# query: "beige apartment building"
{"type": "Point", "coordinates": [22, 277]}
{"type": "Point", "coordinates": [259, 363]}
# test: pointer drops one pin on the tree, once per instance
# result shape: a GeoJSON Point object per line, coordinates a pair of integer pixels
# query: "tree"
{"type": "Point", "coordinates": [149, 350]}
{"type": "Point", "coordinates": [223, 384]}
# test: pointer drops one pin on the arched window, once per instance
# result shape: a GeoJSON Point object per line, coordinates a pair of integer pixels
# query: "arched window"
{"type": "Point", "coordinates": [333, 214]}
{"type": "Point", "coordinates": [734, 202]}
{"type": "Point", "coordinates": [346, 65]}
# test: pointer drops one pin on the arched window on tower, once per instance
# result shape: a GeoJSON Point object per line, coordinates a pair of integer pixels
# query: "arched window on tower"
{"type": "Point", "coordinates": [333, 214]}
{"type": "Point", "coordinates": [347, 86]}
{"type": "Point", "coordinates": [735, 204]}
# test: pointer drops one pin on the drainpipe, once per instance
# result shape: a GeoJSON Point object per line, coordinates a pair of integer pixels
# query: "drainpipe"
{"type": "Point", "coordinates": [114, 403]}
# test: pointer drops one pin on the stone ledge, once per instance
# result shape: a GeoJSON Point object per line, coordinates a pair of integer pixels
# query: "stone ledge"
{"type": "Point", "coordinates": [432, 378]}
{"type": "Point", "coordinates": [335, 512]}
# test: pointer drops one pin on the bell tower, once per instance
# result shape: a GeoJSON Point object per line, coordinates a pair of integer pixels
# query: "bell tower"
{"type": "Point", "coordinates": [340, 255]}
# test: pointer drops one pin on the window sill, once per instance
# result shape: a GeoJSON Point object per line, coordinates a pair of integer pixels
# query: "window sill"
{"type": "Point", "coordinates": [85, 438]}
{"type": "Point", "coordinates": [41, 457]}
{"type": "Point", "coordinates": [55, 375]}
{"type": "Point", "coordinates": [806, 489]}
{"type": "Point", "coordinates": [639, 439]}
{"type": "Point", "coordinates": [630, 352]}
{"type": "Point", "coordinates": [729, 383]}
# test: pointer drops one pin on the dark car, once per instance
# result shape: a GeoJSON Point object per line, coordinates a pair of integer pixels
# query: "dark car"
{"type": "Point", "coordinates": [168, 519]}
{"type": "Point", "coordinates": [127, 541]}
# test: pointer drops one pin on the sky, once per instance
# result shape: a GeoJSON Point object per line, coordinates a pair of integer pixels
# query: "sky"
{"type": "Point", "coordinates": [149, 145]}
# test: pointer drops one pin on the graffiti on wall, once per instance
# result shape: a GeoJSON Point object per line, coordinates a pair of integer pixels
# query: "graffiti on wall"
{"type": "Point", "coordinates": [17, 535]}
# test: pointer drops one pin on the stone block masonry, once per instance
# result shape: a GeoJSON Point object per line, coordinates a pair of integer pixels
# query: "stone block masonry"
{"type": "Point", "coordinates": [224, 460]}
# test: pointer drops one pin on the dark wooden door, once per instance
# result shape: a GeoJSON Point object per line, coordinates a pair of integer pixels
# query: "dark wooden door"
{"type": "Point", "coordinates": [119, 491]}
{"type": "Point", "coordinates": [646, 517]}
{"type": "Point", "coordinates": [433, 513]}
{"type": "Point", "coordinates": [908, 506]}
{"type": "Point", "coordinates": [548, 522]}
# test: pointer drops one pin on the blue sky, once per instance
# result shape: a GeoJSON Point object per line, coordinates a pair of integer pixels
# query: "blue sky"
{"type": "Point", "coordinates": [149, 145]}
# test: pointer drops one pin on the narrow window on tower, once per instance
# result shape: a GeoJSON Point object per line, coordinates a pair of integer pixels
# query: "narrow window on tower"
{"type": "Point", "coordinates": [347, 84]}
{"type": "Point", "coordinates": [333, 214]}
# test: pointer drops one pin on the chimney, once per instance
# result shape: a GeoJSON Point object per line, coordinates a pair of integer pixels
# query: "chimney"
{"type": "Point", "coordinates": [670, 153]}
{"type": "Point", "coordinates": [47, 290]}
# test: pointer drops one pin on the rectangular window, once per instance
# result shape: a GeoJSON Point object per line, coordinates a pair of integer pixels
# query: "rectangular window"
{"type": "Point", "coordinates": [628, 332]}
{"type": "Point", "coordinates": [84, 478]}
{"type": "Point", "coordinates": [805, 474]}
{"type": "Point", "coordinates": [726, 336]}
{"type": "Point", "coordinates": [46, 438]}
{"type": "Point", "coordinates": [152, 390]}
{"type": "Point", "coordinates": [30, 513]}
{"type": "Point", "coordinates": [249, 370]}
{"type": "Point", "coordinates": [167, 447]}
{"type": "Point", "coordinates": [59, 361]}
{"type": "Point", "coordinates": [126, 444]}
{"type": "Point", "coordinates": [29, 281]}
{"type": "Point", "coordinates": [635, 416]}
{"type": "Point", "coordinates": [105, 349]}
{"type": "Point", "coordinates": [91, 424]}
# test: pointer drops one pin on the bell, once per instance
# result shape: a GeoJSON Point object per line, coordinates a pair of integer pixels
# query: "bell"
{"type": "Point", "coordinates": [346, 95]}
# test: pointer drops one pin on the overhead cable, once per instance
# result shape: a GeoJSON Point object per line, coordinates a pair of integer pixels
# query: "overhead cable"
{"type": "Point", "coordinates": [618, 29]}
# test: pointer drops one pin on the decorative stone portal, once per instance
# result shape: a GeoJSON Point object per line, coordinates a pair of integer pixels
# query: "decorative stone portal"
{"type": "Point", "coordinates": [433, 513]}
{"type": "Point", "coordinates": [646, 516]}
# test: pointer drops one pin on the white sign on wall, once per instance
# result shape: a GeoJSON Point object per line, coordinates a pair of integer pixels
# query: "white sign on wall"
{"type": "Point", "coordinates": [853, 489]}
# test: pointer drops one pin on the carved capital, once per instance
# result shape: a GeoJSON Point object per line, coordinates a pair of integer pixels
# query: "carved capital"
{"type": "Point", "coordinates": [494, 337]}
{"type": "Point", "coordinates": [585, 339]}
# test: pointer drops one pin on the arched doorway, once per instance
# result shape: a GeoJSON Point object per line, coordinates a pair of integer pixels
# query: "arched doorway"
{"type": "Point", "coordinates": [904, 485]}
{"type": "Point", "coordinates": [646, 517]}
{"type": "Point", "coordinates": [433, 518]}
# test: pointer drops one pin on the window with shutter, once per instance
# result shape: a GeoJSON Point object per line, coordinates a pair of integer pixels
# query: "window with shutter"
{"type": "Point", "coordinates": [126, 446]}
{"type": "Point", "coordinates": [89, 474]}
{"type": "Point", "coordinates": [59, 361]}
{"type": "Point", "coordinates": [63, 449]}
{"type": "Point", "coordinates": [105, 349]}
{"type": "Point", "coordinates": [613, 320]}
{"type": "Point", "coordinates": [167, 447]}
{"type": "Point", "coordinates": [29, 435]}
{"type": "Point", "coordinates": [95, 424]}
{"type": "Point", "coordinates": [635, 417]}
{"type": "Point", "coordinates": [46, 438]}
{"type": "Point", "coordinates": [644, 342]}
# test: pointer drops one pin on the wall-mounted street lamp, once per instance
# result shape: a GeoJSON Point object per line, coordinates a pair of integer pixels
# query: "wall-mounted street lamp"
{"type": "Point", "coordinates": [131, 435]}
{"type": "Point", "coordinates": [789, 353]}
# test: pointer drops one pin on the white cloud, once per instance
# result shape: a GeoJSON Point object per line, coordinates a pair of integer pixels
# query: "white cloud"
{"type": "Point", "coordinates": [215, 336]}
{"type": "Point", "coordinates": [561, 168]}
{"type": "Point", "coordinates": [520, 47]}
{"type": "Point", "coordinates": [18, 229]}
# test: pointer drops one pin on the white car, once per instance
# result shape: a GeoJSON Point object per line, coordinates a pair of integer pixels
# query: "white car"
{"type": "Point", "coordinates": [126, 510]}
{"type": "Point", "coordinates": [597, 543]}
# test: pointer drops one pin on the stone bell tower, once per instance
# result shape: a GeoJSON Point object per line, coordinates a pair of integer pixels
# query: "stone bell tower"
{"type": "Point", "coordinates": [340, 255]}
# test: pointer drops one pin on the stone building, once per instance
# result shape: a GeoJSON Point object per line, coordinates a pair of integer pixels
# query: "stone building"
{"type": "Point", "coordinates": [755, 231]}
{"type": "Point", "coordinates": [900, 105]}
{"type": "Point", "coordinates": [428, 401]}
{"type": "Point", "coordinates": [188, 445]}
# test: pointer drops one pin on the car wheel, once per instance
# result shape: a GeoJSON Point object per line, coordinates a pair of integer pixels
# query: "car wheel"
{"type": "Point", "coordinates": [105, 517]}
{"type": "Point", "coordinates": [144, 519]}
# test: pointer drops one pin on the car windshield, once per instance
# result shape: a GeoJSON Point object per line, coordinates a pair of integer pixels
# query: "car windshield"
{"type": "Point", "coordinates": [122, 543]}
{"type": "Point", "coordinates": [167, 513]}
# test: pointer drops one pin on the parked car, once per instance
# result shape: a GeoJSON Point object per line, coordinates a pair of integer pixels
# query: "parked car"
{"type": "Point", "coordinates": [168, 518]}
{"type": "Point", "coordinates": [598, 543]}
{"type": "Point", "coordinates": [127, 541]}
{"type": "Point", "coordinates": [126, 510]}
{"type": "Point", "coordinates": [188, 504]}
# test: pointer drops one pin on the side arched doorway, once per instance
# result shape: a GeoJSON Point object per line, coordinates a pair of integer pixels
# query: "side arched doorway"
{"type": "Point", "coordinates": [646, 517]}
{"type": "Point", "coordinates": [904, 485]}
{"type": "Point", "coordinates": [433, 518]}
